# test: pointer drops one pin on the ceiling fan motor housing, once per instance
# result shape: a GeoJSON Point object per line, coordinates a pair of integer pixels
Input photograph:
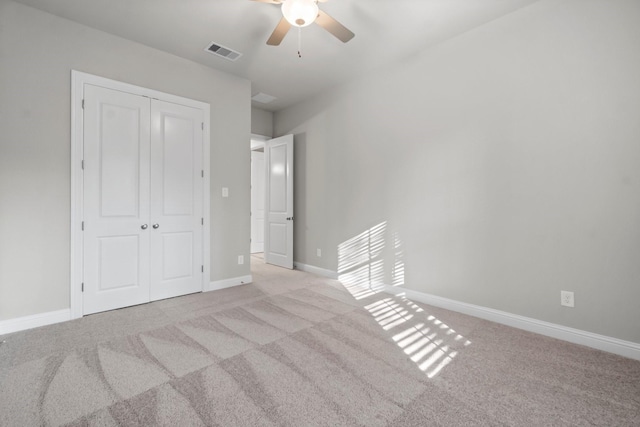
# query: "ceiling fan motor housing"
{"type": "Point", "coordinates": [300, 12]}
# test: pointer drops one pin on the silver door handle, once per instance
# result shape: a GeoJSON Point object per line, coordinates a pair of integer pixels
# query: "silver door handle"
{"type": "Point", "coordinates": [144, 226]}
{"type": "Point", "coordinates": [156, 225]}
{"type": "Point", "coordinates": [290, 218]}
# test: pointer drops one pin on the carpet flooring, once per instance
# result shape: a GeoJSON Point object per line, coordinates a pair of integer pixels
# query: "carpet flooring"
{"type": "Point", "coordinates": [294, 349]}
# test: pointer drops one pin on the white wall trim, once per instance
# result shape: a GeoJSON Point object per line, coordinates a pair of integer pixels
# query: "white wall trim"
{"type": "Point", "coordinates": [576, 336]}
{"type": "Point", "coordinates": [77, 191]}
{"type": "Point", "coordinates": [33, 321]}
{"type": "Point", "coordinates": [315, 270]}
{"type": "Point", "coordinates": [228, 283]}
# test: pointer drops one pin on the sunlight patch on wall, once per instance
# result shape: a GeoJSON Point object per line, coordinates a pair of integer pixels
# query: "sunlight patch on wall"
{"type": "Point", "coordinates": [360, 262]}
{"type": "Point", "coordinates": [362, 248]}
{"type": "Point", "coordinates": [427, 341]}
{"type": "Point", "coordinates": [397, 274]}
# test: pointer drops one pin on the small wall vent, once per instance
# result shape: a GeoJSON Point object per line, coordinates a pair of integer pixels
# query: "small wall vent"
{"type": "Point", "coordinates": [223, 52]}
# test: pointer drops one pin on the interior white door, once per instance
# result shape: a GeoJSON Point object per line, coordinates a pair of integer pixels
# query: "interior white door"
{"type": "Point", "coordinates": [257, 201]}
{"type": "Point", "coordinates": [116, 199]}
{"type": "Point", "coordinates": [278, 236]}
{"type": "Point", "coordinates": [176, 217]}
{"type": "Point", "coordinates": [143, 199]}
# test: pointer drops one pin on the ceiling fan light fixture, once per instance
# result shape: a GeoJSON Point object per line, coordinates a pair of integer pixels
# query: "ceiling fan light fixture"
{"type": "Point", "coordinates": [300, 13]}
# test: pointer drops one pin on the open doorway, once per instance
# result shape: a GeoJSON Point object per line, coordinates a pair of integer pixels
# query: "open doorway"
{"type": "Point", "coordinates": [257, 195]}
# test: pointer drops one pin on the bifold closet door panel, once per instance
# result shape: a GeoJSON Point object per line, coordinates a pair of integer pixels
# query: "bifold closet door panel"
{"type": "Point", "coordinates": [116, 199]}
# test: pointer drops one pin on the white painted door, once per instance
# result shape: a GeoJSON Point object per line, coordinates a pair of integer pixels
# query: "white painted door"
{"type": "Point", "coordinates": [257, 201]}
{"type": "Point", "coordinates": [116, 199]}
{"type": "Point", "coordinates": [143, 199]}
{"type": "Point", "coordinates": [278, 236]}
{"type": "Point", "coordinates": [176, 219]}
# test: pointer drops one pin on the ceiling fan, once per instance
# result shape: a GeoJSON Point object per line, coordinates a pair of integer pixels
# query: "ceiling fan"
{"type": "Point", "coordinates": [300, 13]}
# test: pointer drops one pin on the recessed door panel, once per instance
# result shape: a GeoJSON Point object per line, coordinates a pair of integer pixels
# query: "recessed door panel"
{"type": "Point", "coordinates": [177, 255]}
{"type": "Point", "coordinates": [119, 159]}
{"type": "Point", "coordinates": [118, 262]}
{"type": "Point", "coordinates": [278, 243]}
{"type": "Point", "coordinates": [178, 162]}
{"type": "Point", "coordinates": [278, 181]}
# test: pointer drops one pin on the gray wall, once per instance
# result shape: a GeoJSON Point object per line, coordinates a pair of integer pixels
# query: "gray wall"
{"type": "Point", "coordinates": [37, 53]}
{"type": "Point", "coordinates": [504, 165]}
{"type": "Point", "coordinates": [261, 122]}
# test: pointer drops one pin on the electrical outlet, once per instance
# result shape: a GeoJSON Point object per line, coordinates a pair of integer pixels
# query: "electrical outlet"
{"type": "Point", "coordinates": [225, 192]}
{"type": "Point", "coordinates": [566, 299]}
{"type": "Point", "coordinates": [319, 252]}
{"type": "Point", "coordinates": [240, 259]}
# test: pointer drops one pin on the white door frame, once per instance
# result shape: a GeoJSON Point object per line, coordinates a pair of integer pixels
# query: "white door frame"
{"type": "Point", "coordinates": [257, 200]}
{"type": "Point", "coordinates": [78, 80]}
{"type": "Point", "coordinates": [257, 143]}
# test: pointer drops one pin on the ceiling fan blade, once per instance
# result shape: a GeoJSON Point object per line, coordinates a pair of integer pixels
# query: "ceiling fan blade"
{"type": "Point", "coordinates": [334, 27]}
{"type": "Point", "coordinates": [278, 34]}
{"type": "Point", "coordinates": [269, 1]}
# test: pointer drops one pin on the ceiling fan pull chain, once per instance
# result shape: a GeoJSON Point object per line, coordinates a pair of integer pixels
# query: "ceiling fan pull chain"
{"type": "Point", "coordinates": [299, 42]}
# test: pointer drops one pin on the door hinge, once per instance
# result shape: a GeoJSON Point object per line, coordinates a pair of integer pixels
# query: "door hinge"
{"type": "Point", "coordinates": [82, 225]}
{"type": "Point", "coordinates": [82, 164]}
{"type": "Point", "coordinates": [202, 173]}
{"type": "Point", "coordinates": [202, 268]}
{"type": "Point", "coordinates": [83, 104]}
{"type": "Point", "coordinates": [202, 221]}
{"type": "Point", "coordinates": [202, 125]}
{"type": "Point", "coordinates": [82, 288]}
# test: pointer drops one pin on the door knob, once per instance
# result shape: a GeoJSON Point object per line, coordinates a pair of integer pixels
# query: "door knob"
{"type": "Point", "coordinates": [290, 218]}
{"type": "Point", "coordinates": [156, 225]}
{"type": "Point", "coordinates": [144, 226]}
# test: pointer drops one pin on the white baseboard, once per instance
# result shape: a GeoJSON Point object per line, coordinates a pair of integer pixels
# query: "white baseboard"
{"type": "Point", "coordinates": [227, 283]}
{"type": "Point", "coordinates": [34, 321]}
{"type": "Point", "coordinates": [576, 336]}
{"type": "Point", "coordinates": [315, 270]}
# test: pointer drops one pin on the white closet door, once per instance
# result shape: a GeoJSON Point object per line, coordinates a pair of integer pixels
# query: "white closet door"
{"type": "Point", "coordinates": [116, 199]}
{"type": "Point", "coordinates": [176, 200]}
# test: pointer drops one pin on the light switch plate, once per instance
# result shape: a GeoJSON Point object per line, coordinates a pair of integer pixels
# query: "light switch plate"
{"type": "Point", "coordinates": [225, 192]}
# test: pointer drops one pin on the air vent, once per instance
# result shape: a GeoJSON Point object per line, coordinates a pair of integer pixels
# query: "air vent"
{"type": "Point", "coordinates": [263, 98]}
{"type": "Point", "coordinates": [223, 52]}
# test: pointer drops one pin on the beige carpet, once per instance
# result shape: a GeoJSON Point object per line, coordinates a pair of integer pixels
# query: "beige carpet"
{"type": "Point", "coordinates": [295, 349]}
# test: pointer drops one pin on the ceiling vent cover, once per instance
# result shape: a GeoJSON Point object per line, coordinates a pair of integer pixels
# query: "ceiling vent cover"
{"type": "Point", "coordinates": [223, 52]}
{"type": "Point", "coordinates": [263, 98]}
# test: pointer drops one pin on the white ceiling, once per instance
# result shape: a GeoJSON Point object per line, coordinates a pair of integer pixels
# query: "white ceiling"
{"type": "Point", "coordinates": [386, 31]}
